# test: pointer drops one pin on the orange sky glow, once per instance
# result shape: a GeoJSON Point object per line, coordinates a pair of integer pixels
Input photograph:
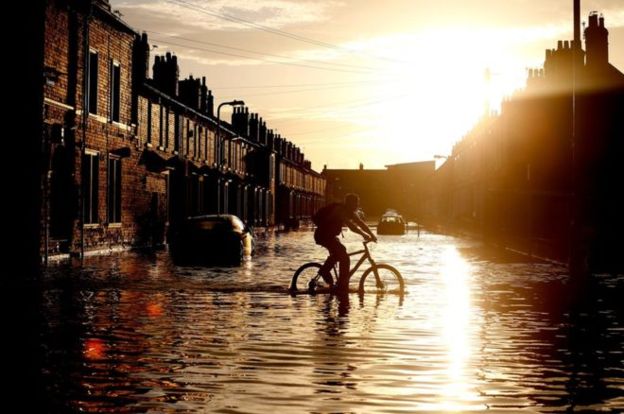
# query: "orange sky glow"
{"type": "Point", "coordinates": [367, 82]}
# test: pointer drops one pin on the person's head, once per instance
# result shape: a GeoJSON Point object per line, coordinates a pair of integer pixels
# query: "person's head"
{"type": "Point", "coordinates": [352, 201]}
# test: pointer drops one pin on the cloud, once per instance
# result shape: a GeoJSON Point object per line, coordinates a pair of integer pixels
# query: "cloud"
{"type": "Point", "coordinates": [212, 15]}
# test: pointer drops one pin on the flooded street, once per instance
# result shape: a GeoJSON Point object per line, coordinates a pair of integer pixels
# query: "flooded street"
{"type": "Point", "coordinates": [132, 332]}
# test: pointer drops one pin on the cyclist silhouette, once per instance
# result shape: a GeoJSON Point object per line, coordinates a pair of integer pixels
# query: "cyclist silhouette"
{"type": "Point", "coordinates": [329, 221]}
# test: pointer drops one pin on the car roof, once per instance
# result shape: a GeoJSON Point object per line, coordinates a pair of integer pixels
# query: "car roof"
{"type": "Point", "coordinates": [212, 217]}
{"type": "Point", "coordinates": [231, 219]}
{"type": "Point", "coordinates": [391, 213]}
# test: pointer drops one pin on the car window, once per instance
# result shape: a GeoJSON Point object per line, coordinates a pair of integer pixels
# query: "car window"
{"type": "Point", "coordinates": [208, 224]}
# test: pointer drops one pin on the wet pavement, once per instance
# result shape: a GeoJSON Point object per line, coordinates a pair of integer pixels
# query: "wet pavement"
{"type": "Point", "coordinates": [476, 331]}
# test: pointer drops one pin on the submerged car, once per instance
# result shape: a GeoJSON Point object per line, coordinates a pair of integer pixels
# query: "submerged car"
{"type": "Point", "coordinates": [391, 222]}
{"type": "Point", "coordinates": [212, 238]}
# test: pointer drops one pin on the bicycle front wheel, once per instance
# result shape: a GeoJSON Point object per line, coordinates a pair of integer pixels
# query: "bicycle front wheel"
{"type": "Point", "coordinates": [303, 276]}
{"type": "Point", "coordinates": [382, 278]}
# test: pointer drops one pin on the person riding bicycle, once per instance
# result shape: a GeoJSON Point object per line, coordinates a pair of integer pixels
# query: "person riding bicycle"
{"type": "Point", "coordinates": [329, 221]}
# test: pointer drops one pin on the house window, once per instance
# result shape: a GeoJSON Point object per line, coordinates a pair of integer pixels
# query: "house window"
{"type": "Point", "coordinates": [93, 81]}
{"type": "Point", "coordinates": [149, 122]}
{"type": "Point", "coordinates": [90, 187]}
{"type": "Point", "coordinates": [115, 90]}
{"type": "Point", "coordinates": [196, 141]}
{"type": "Point", "coordinates": [177, 133]}
{"type": "Point", "coordinates": [114, 190]}
{"type": "Point", "coordinates": [166, 143]}
{"type": "Point", "coordinates": [189, 134]}
{"type": "Point", "coordinates": [161, 131]}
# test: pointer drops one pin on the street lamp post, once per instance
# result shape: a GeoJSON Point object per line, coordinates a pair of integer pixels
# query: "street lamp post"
{"type": "Point", "coordinates": [219, 144]}
{"type": "Point", "coordinates": [219, 154]}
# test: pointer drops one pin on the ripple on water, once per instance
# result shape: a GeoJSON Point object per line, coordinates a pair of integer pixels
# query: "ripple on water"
{"type": "Point", "coordinates": [476, 331]}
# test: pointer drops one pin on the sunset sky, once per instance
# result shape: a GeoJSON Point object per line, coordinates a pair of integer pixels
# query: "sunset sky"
{"type": "Point", "coordinates": [376, 82]}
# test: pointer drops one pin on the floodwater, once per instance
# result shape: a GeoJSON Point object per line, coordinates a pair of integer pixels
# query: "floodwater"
{"type": "Point", "coordinates": [476, 331]}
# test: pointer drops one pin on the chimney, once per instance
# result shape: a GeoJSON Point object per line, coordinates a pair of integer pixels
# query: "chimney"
{"type": "Point", "coordinates": [262, 132]}
{"type": "Point", "coordinates": [210, 104]}
{"type": "Point", "coordinates": [203, 99]}
{"type": "Point", "coordinates": [190, 92]}
{"type": "Point", "coordinates": [141, 58]}
{"type": "Point", "coordinates": [245, 122]}
{"type": "Point", "coordinates": [577, 24]}
{"type": "Point", "coordinates": [277, 143]}
{"type": "Point", "coordinates": [253, 127]}
{"type": "Point", "coordinates": [269, 137]}
{"type": "Point", "coordinates": [596, 41]}
{"type": "Point", "coordinates": [235, 119]}
{"type": "Point", "coordinates": [174, 75]}
{"type": "Point", "coordinates": [166, 74]}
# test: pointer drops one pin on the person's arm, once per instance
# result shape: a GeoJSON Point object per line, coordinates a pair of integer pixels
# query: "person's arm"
{"type": "Point", "coordinates": [366, 233]}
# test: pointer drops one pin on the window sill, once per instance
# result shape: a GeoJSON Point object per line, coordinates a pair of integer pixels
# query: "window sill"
{"type": "Point", "coordinates": [98, 118]}
{"type": "Point", "coordinates": [114, 225]}
{"type": "Point", "coordinates": [121, 125]}
{"type": "Point", "coordinates": [92, 226]}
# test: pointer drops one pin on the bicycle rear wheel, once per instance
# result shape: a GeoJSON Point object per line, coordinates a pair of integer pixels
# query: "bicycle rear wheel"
{"type": "Point", "coordinates": [300, 281]}
{"type": "Point", "coordinates": [382, 278]}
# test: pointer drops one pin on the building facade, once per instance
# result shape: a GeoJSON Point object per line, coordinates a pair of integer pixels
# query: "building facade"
{"type": "Point", "coordinates": [545, 174]}
{"type": "Point", "coordinates": [127, 156]}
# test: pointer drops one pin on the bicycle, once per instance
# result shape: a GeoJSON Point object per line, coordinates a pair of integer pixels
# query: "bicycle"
{"type": "Point", "coordinates": [386, 278]}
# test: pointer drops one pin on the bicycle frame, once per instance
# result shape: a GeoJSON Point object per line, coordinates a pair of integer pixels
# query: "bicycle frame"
{"type": "Point", "coordinates": [365, 255]}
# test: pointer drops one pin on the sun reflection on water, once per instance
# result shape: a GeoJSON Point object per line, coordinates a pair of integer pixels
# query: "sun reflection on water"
{"type": "Point", "coordinates": [456, 320]}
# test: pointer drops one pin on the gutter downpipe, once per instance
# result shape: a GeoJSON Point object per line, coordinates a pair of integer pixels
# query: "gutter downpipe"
{"type": "Point", "coordinates": [85, 116]}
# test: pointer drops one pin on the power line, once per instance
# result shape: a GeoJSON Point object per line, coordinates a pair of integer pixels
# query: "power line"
{"type": "Point", "coordinates": [350, 104]}
{"type": "Point", "coordinates": [330, 137]}
{"type": "Point", "coordinates": [317, 131]}
{"type": "Point", "coordinates": [260, 59]}
{"type": "Point", "coordinates": [290, 91]}
{"type": "Point", "coordinates": [274, 31]}
{"type": "Point", "coordinates": [296, 85]}
{"type": "Point", "coordinates": [263, 53]}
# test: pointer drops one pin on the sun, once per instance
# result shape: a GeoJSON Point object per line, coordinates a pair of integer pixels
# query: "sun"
{"type": "Point", "coordinates": [440, 83]}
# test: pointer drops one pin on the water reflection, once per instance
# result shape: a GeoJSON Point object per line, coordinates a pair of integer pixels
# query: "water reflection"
{"type": "Point", "coordinates": [455, 273]}
{"type": "Point", "coordinates": [135, 333]}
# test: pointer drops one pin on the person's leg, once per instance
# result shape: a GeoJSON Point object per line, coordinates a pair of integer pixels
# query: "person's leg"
{"type": "Point", "coordinates": [339, 254]}
{"type": "Point", "coordinates": [325, 270]}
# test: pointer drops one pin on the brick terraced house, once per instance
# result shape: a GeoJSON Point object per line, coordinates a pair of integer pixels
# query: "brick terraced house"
{"type": "Point", "coordinates": [126, 156]}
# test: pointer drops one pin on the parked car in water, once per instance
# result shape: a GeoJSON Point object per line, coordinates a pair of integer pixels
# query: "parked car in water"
{"type": "Point", "coordinates": [212, 238]}
{"type": "Point", "coordinates": [391, 222]}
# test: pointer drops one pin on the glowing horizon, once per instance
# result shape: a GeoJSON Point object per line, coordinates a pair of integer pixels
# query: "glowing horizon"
{"type": "Point", "coordinates": [387, 85]}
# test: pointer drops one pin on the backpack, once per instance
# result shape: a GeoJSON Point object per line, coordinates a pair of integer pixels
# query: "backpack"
{"type": "Point", "coordinates": [329, 219]}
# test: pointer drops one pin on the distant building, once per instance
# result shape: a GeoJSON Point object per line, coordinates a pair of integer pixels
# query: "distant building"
{"type": "Point", "coordinates": [399, 186]}
{"type": "Point", "coordinates": [127, 157]}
